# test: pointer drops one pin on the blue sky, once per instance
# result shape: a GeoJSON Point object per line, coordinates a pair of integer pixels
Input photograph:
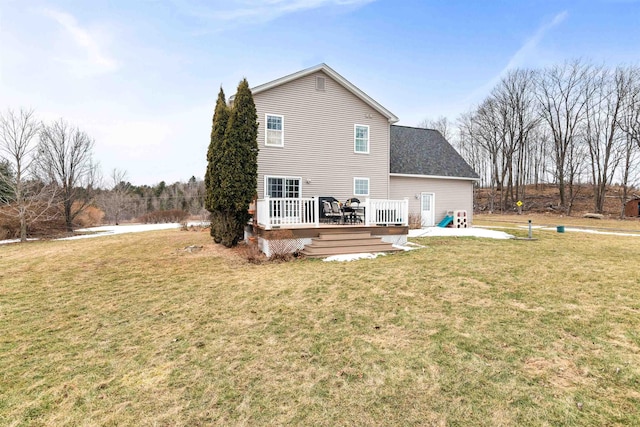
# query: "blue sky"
{"type": "Point", "coordinates": [142, 76]}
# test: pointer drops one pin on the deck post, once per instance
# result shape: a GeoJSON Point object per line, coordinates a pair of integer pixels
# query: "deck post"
{"type": "Point", "coordinates": [405, 211]}
{"type": "Point", "coordinates": [267, 215]}
{"type": "Point", "coordinates": [316, 213]}
{"type": "Point", "coordinates": [367, 211]}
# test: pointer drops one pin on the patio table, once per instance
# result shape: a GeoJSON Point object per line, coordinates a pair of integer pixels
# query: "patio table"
{"type": "Point", "coordinates": [350, 214]}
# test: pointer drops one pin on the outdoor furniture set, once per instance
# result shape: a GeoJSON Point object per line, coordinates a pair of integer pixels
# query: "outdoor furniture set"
{"type": "Point", "coordinates": [348, 213]}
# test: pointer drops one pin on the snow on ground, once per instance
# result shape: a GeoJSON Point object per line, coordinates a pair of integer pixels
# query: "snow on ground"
{"type": "Point", "coordinates": [428, 232]}
{"type": "Point", "coordinates": [409, 246]}
{"type": "Point", "coordinates": [584, 230]}
{"type": "Point", "coordinates": [110, 230]}
{"type": "Point", "coordinates": [459, 232]}
{"type": "Point", "coordinates": [353, 257]}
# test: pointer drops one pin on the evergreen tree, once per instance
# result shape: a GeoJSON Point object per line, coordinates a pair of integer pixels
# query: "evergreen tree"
{"type": "Point", "coordinates": [6, 182]}
{"type": "Point", "coordinates": [212, 176]}
{"type": "Point", "coordinates": [238, 167]}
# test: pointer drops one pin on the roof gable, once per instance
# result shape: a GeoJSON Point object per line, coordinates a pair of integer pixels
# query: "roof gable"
{"type": "Point", "coordinates": [417, 151]}
{"type": "Point", "coordinates": [338, 78]}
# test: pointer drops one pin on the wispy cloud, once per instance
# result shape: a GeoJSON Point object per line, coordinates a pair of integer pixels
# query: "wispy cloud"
{"type": "Point", "coordinates": [527, 49]}
{"type": "Point", "coordinates": [240, 11]}
{"type": "Point", "coordinates": [522, 56]}
{"type": "Point", "coordinates": [95, 61]}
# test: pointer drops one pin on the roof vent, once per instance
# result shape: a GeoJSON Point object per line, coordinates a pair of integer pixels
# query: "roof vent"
{"type": "Point", "coordinates": [319, 83]}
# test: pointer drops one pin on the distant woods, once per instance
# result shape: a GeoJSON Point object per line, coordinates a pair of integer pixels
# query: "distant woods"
{"type": "Point", "coordinates": [50, 183]}
{"type": "Point", "coordinates": [123, 201]}
{"type": "Point", "coordinates": [570, 125]}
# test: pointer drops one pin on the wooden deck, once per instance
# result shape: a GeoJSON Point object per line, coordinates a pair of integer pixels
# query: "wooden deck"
{"type": "Point", "coordinates": [293, 232]}
{"type": "Point", "coordinates": [290, 239]}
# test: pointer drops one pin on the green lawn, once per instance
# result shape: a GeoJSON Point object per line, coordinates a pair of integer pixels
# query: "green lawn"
{"type": "Point", "coordinates": [130, 330]}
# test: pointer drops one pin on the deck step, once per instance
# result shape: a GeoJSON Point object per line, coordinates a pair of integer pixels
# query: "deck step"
{"type": "Point", "coordinates": [325, 252]}
{"type": "Point", "coordinates": [345, 242]}
{"type": "Point", "coordinates": [328, 244]}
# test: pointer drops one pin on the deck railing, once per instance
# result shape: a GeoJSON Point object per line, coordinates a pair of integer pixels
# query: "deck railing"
{"type": "Point", "coordinates": [386, 212]}
{"type": "Point", "coordinates": [280, 212]}
{"type": "Point", "coordinates": [275, 212]}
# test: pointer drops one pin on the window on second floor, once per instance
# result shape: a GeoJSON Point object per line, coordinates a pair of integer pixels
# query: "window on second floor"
{"type": "Point", "coordinates": [361, 139]}
{"type": "Point", "coordinates": [274, 130]}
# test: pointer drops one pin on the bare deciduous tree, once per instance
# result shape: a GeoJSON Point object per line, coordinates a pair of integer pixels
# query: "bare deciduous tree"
{"type": "Point", "coordinates": [605, 93]}
{"type": "Point", "coordinates": [441, 124]}
{"type": "Point", "coordinates": [562, 102]}
{"type": "Point", "coordinates": [629, 124]}
{"type": "Point", "coordinates": [28, 198]}
{"type": "Point", "coordinates": [118, 199]}
{"type": "Point", "coordinates": [65, 157]}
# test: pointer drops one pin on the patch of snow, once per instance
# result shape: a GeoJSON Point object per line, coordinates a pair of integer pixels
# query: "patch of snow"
{"type": "Point", "coordinates": [353, 257]}
{"type": "Point", "coordinates": [584, 230]}
{"type": "Point", "coordinates": [409, 246]}
{"type": "Point", "coordinates": [459, 232]}
{"type": "Point", "coordinates": [110, 230]}
{"type": "Point", "coordinates": [4, 242]}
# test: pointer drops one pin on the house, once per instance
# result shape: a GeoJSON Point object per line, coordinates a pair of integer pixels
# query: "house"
{"type": "Point", "coordinates": [320, 135]}
{"type": "Point", "coordinates": [425, 168]}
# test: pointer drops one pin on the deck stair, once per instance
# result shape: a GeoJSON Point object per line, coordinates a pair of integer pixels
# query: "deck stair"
{"type": "Point", "coordinates": [328, 244]}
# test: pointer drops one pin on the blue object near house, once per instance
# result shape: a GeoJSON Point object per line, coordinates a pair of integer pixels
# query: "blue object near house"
{"type": "Point", "coordinates": [446, 221]}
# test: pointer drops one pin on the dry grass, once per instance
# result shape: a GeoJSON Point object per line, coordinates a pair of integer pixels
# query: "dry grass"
{"type": "Point", "coordinates": [132, 330]}
{"type": "Point", "coordinates": [553, 220]}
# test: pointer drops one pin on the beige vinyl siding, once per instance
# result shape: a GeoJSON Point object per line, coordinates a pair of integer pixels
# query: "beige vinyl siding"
{"type": "Point", "coordinates": [319, 139]}
{"type": "Point", "coordinates": [450, 194]}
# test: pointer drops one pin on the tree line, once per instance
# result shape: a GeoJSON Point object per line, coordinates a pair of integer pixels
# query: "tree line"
{"type": "Point", "coordinates": [570, 124]}
{"type": "Point", "coordinates": [48, 176]}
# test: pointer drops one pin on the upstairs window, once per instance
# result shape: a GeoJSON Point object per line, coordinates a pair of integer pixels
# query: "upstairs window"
{"type": "Point", "coordinates": [274, 134]}
{"type": "Point", "coordinates": [361, 139]}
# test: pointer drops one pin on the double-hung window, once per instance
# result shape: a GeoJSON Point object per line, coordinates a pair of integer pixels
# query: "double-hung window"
{"type": "Point", "coordinates": [361, 139]}
{"type": "Point", "coordinates": [361, 186]}
{"type": "Point", "coordinates": [274, 130]}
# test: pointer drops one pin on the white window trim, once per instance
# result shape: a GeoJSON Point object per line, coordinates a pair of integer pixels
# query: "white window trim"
{"type": "Point", "coordinates": [266, 183]}
{"type": "Point", "coordinates": [355, 178]}
{"type": "Point", "coordinates": [355, 126]}
{"type": "Point", "coordinates": [266, 131]}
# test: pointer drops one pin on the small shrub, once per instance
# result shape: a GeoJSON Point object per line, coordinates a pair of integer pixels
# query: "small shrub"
{"type": "Point", "coordinates": [281, 257]}
{"type": "Point", "coordinates": [415, 220]}
{"type": "Point", "coordinates": [50, 223]}
{"type": "Point", "coordinates": [251, 253]}
{"type": "Point", "coordinates": [89, 217]}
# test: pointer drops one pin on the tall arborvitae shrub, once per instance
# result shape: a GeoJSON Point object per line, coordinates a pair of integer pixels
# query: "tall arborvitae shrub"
{"type": "Point", "coordinates": [238, 166]}
{"type": "Point", "coordinates": [212, 176]}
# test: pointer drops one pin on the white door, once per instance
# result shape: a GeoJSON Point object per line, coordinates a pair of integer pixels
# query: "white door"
{"type": "Point", "coordinates": [426, 209]}
{"type": "Point", "coordinates": [287, 209]}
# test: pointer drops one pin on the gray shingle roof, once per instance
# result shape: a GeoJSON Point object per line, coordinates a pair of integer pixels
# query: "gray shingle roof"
{"type": "Point", "coordinates": [418, 151]}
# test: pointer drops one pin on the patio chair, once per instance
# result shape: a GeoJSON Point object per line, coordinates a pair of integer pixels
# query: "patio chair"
{"type": "Point", "coordinates": [328, 212]}
{"type": "Point", "coordinates": [337, 212]}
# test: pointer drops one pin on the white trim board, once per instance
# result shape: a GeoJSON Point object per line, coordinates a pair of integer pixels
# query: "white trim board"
{"type": "Point", "coordinates": [458, 178]}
